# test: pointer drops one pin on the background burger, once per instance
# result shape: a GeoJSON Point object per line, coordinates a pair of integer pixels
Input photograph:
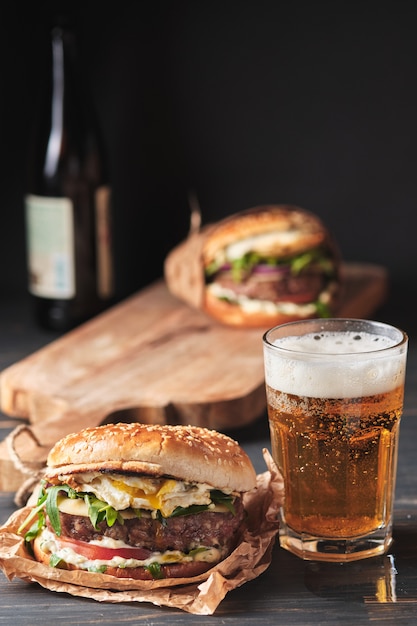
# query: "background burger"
{"type": "Point", "coordinates": [139, 501]}
{"type": "Point", "coordinates": [270, 265]}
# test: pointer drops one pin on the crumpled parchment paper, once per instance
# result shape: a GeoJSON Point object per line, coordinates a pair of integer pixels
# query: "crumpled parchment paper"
{"type": "Point", "coordinates": [184, 268]}
{"type": "Point", "coordinates": [199, 595]}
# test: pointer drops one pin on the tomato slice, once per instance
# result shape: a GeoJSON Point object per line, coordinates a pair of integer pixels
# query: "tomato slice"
{"type": "Point", "coordinates": [94, 552]}
{"type": "Point", "coordinates": [300, 298]}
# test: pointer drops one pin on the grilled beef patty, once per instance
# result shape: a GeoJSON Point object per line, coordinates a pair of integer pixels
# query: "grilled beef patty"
{"type": "Point", "coordinates": [174, 533]}
{"type": "Point", "coordinates": [275, 287]}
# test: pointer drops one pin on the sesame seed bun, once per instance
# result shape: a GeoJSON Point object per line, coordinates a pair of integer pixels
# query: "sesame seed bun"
{"type": "Point", "coordinates": [307, 230]}
{"type": "Point", "coordinates": [187, 453]}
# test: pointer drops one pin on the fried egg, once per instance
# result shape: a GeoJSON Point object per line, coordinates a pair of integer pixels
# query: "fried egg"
{"type": "Point", "coordinates": [141, 492]}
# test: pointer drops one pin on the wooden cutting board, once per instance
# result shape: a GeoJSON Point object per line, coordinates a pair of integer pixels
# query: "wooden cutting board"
{"type": "Point", "coordinates": [152, 359]}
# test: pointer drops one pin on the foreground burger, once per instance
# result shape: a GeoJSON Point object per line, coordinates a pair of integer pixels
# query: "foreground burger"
{"type": "Point", "coordinates": [270, 265]}
{"type": "Point", "coordinates": [140, 501]}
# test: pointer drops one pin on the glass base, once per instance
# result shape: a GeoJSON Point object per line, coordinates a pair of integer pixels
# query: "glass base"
{"type": "Point", "coordinates": [336, 550]}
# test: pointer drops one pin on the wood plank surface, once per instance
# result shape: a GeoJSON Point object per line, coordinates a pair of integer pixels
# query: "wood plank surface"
{"type": "Point", "coordinates": [152, 359]}
{"type": "Point", "coordinates": [292, 592]}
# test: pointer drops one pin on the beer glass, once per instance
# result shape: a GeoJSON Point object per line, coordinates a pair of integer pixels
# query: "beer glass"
{"type": "Point", "coordinates": [335, 392]}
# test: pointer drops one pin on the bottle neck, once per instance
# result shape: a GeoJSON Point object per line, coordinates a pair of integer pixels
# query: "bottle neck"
{"type": "Point", "coordinates": [57, 110]}
{"type": "Point", "coordinates": [66, 150]}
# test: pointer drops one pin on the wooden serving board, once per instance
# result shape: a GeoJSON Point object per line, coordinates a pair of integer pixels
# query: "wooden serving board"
{"type": "Point", "coordinates": [152, 359]}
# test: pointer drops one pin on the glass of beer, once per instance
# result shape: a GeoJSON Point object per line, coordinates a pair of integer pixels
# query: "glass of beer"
{"type": "Point", "coordinates": [335, 391]}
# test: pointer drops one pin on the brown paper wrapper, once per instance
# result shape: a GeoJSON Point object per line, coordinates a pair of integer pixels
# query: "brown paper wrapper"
{"type": "Point", "coordinates": [199, 595]}
{"type": "Point", "coordinates": [184, 268]}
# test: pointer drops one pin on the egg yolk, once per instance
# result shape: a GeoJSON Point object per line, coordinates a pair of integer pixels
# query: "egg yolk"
{"type": "Point", "coordinates": [155, 499]}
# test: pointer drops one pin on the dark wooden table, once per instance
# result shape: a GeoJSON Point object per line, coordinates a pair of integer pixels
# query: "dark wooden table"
{"type": "Point", "coordinates": [382, 590]}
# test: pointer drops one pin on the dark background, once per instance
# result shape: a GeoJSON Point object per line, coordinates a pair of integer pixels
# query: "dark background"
{"type": "Point", "coordinates": [240, 102]}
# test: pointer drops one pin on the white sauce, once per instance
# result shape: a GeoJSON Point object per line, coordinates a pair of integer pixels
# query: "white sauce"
{"type": "Point", "coordinates": [49, 544]}
{"type": "Point", "coordinates": [251, 305]}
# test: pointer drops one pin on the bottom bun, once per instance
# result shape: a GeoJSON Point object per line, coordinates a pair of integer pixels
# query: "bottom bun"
{"type": "Point", "coordinates": [234, 315]}
{"type": "Point", "coordinates": [174, 570]}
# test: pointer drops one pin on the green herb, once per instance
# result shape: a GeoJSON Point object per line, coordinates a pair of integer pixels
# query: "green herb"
{"type": "Point", "coordinates": [51, 506]}
{"type": "Point", "coordinates": [243, 267]}
{"type": "Point", "coordinates": [161, 518]}
{"type": "Point", "coordinates": [240, 267]}
{"type": "Point", "coordinates": [54, 560]}
{"type": "Point", "coordinates": [312, 257]}
{"type": "Point", "coordinates": [198, 550]}
{"type": "Point", "coordinates": [155, 570]}
{"type": "Point", "coordinates": [300, 262]}
{"type": "Point", "coordinates": [218, 497]}
{"type": "Point", "coordinates": [212, 268]}
{"type": "Point", "coordinates": [38, 513]}
{"type": "Point", "coordinates": [99, 511]}
{"type": "Point", "coordinates": [189, 510]}
{"type": "Point", "coordinates": [35, 528]}
{"type": "Point", "coordinates": [322, 309]}
{"type": "Point", "coordinates": [100, 569]}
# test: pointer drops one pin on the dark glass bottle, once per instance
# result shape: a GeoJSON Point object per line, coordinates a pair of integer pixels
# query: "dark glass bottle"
{"type": "Point", "coordinates": [67, 203]}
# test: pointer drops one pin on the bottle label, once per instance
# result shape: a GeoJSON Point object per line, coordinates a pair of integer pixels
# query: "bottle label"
{"type": "Point", "coordinates": [105, 278]}
{"type": "Point", "coordinates": [50, 246]}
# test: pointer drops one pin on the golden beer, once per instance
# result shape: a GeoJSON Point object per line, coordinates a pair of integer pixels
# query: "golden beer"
{"type": "Point", "coordinates": [334, 392]}
{"type": "Point", "coordinates": [338, 459]}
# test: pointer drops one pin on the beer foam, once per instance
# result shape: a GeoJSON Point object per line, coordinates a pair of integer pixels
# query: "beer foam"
{"type": "Point", "coordinates": [334, 365]}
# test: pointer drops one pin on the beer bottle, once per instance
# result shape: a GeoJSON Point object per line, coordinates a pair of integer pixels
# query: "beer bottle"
{"type": "Point", "coordinates": [67, 198]}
